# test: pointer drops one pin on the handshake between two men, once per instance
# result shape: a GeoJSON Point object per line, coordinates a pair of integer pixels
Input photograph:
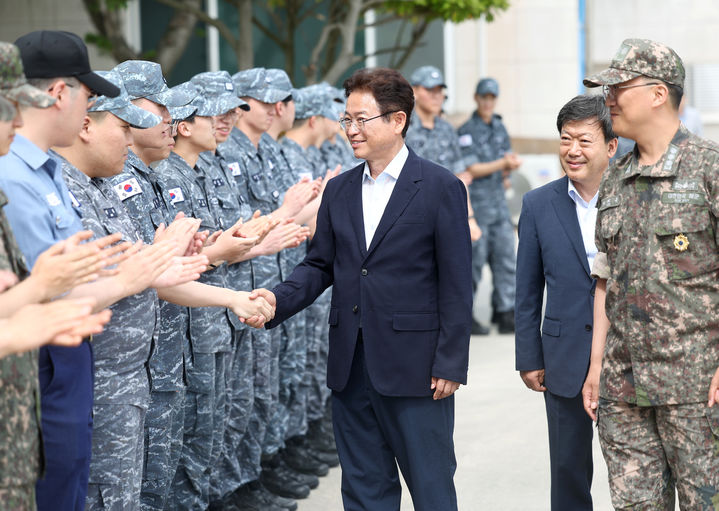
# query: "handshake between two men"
{"type": "Point", "coordinates": [265, 303]}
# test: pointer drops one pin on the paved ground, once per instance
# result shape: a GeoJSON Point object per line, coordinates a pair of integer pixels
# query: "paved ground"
{"type": "Point", "coordinates": [500, 439]}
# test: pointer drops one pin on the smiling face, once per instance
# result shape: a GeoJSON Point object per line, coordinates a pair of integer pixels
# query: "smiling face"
{"type": "Point", "coordinates": [583, 152]}
{"type": "Point", "coordinates": [380, 139]}
{"type": "Point", "coordinates": [224, 124]}
{"type": "Point", "coordinates": [630, 107]}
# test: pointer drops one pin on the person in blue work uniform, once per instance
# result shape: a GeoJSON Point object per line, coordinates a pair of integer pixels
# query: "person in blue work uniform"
{"type": "Point", "coordinates": [485, 146]}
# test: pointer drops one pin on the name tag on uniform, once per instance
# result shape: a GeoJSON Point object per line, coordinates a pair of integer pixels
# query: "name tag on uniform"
{"type": "Point", "coordinates": [202, 203]}
{"type": "Point", "coordinates": [128, 188]}
{"type": "Point", "coordinates": [235, 168]}
{"type": "Point", "coordinates": [73, 200]}
{"type": "Point", "coordinates": [110, 212]}
{"type": "Point", "coordinates": [217, 183]}
{"type": "Point", "coordinates": [465, 140]}
{"type": "Point", "coordinates": [156, 203]}
{"type": "Point", "coordinates": [256, 177]}
{"type": "Point", "coordinates": [176, 196]}
{"type": "Point", "coordinates": [52, 199]}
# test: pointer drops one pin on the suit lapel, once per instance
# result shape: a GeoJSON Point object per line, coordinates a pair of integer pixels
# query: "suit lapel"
{"type": "Point", "coordinates": [402, 194]}
{"type": "Point", "coordinates": [354, 203]}
{"type": "Point", "coordinates": [566, 211]}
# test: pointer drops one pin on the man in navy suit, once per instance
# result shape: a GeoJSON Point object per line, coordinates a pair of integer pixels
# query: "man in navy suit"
{"type": "Point", "coordinates": [392, 239]}
{"type": "Point", "coordinates": [556, 250]}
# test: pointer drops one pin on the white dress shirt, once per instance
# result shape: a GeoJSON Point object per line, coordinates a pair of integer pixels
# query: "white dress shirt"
{"type": "Point", "coordinates": [587, 216]}
{"type": "Point", "coordinates": [376, 192]}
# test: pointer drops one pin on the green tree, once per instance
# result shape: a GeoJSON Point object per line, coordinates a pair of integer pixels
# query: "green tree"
{"type": "Point", "coordinates": [285, 23]}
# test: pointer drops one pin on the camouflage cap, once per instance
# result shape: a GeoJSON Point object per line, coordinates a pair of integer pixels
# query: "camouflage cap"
{"type": "Point", "coordinates": [280, 81]}
{"type": "Point", "coordinates": [13, 84]}
{"type": "Point", "coordinates": [336, 97]}
{"type": "Point", "coordinates": [254, 83]}
{"type": "Point", "coordinates": [217, 87]}
{"type": "Point", "coordinates": [487, 86]}
{"type": "Point", "coordinates": [428, 77]}
{"type": "Point", "coordinates": [314, 100]}
{"type": "Point", "coordinates": [121, 106]}
{"type": "Point", "coordinates": [641, 57]}
{"type": "Point", "coordinates": [143, 79]}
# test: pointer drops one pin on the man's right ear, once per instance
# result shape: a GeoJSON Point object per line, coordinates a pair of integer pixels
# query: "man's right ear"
{"type": "Point", "coordinates": [85, 130]}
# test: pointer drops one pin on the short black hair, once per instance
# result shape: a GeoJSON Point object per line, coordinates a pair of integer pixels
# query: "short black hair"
{"type": "Point", "coordinates": [675, 94]}
{"type": "Point", "coordinates": [390, 89]}
{"type": "Point", "coordinates": [585, 107]}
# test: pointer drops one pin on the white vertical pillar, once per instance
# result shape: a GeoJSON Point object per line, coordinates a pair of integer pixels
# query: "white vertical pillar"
{"type": "Point", "coordinates": [133, 26]}
{"type": "Point", "coordinates": [450, 67]}
{"type": "Point", "coordinates": [370, 39]}
{"type": "Point", "coordinates": [213, 38]}
{"type": "Point", "coordinates": [482, 44]}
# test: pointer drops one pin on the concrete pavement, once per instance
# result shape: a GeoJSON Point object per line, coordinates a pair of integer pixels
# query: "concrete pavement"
{"type": "Point", "coordinates": [500, 441]}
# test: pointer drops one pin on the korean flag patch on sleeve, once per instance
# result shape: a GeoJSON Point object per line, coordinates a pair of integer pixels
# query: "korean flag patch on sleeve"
{"type": "Point", "coordinates": [128, 188]}
{"type": "Point", "coordinates": [465, 140]}
{"type": "Point", "coordinates": [176, 195]}
{"type": "Point", "coordinates": [235, 168]}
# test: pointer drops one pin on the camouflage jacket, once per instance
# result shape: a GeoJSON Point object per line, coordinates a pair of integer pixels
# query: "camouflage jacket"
{"type": "Point", "coordinates": [122, 349]}
{"type": "Point", "coordinates": [20, 439]}
{"type": "Point", "coordinates": [657, 236]}
{"type": "Point", "coordinates": [480, 143]}
{"type": "Point", "coordinates": [439, 144]}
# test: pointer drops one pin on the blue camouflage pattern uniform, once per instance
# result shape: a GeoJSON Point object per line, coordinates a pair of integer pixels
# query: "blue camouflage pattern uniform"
{"type": "Point", "coordinates": [226, 472]}
{"type": "Point", "coordinates": [122, 349]}
{"type": "Point", "coordinates": [290, 412]}
{"type": "Point", "coordinates": [255, 181]}
{"type": "Point", "coordinates": [481, 142]}
{"type": "Point", "coordinates": [136, 188]}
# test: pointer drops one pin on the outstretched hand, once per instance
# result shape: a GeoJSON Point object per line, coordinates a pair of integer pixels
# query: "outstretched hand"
{"type": "Point", "coordinates": [258, 321]}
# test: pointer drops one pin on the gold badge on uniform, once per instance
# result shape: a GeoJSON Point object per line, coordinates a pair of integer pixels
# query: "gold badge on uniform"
{"type": "Point", "coordinates": [681, 243]}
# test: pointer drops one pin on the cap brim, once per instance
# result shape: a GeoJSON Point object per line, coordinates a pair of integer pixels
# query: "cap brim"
{"type": "Point", "coordinates": [271, 96]}
{"type": "Point", "coordinates": [244, 105]}
{"type": "Point", "coordinates": [180, 113]}
{"type": "Point", "coordinates": [99, 85]}
{"type": "Point", "coordinates": [28, 95]}
{"type": "Point", "coordinates": [609, 76]}
{"type": "Point", "coordinates": [172, 98]}
{"type": "Point", "coordinates": [137, 117]}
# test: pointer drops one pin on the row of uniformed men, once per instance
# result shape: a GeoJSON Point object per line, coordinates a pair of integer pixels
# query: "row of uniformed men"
{"type": "Point", "coordinates": [176, 404]}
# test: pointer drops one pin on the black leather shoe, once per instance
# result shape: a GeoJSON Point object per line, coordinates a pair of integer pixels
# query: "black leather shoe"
{"type": "Point", "coordinates": [245, 498]}
{"type": "Point", "coordinates": [505, 323]}
{"type": "Point", "coordinates": [478, 328]}
{"type": "Point", "coordinates": [300, 460]}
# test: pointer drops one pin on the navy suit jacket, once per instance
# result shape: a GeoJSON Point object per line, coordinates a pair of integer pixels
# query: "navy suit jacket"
{"type": "Point", "coordinates": [551, 253]}
{"type": "Point", "coordinates": [410, 292]}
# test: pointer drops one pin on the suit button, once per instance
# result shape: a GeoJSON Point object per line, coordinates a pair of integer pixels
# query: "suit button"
{"type": "Point", "coordinates": [364, 272]}
{"type": "Point", "coordinates": [355, 309]}
{"type": "Point", "coordinates": [588, 328]}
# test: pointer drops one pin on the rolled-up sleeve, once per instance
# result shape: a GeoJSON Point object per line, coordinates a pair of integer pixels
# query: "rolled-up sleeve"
{"type": "Point", "coordinates": [600, 267]}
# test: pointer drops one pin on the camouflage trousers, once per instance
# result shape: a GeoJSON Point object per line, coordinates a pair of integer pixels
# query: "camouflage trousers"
{"type": "Point", "coordinates": [315, 380]}
{"type": "Point", "coordinates": [251, 445]}
{"type": "Point", "coordinates": [496, 247]}
{"type": "Point", "coordinates": [226, 474]}
{"type": "Point", "coordinates": [117, 453]}
{"type": "Point", "coordinates": [164, 427]}
{"type": "Point", "coordinates": [271, 444]}
{"type": "Point", "coordinates": [18, 498]}
{"type": "Point", "coordinates": [204, 422]}
{"type": "Point", "coordinates": [291, 402]}
{"type": "Point", "coordinates": [650, 450]}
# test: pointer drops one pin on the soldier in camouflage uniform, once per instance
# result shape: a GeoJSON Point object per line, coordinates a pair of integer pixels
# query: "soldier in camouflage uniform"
{"type": "Point", "coordinates": [336, 150]}
{"type": "Point", "coordinates": [120, 353]}
{"type": "Point", "coordinates": [656, 329]}
{"type": "Point", "coordinates": [432, 137]}
{"type": "Point", "coordinates": [485, 147]}
{"type": "Point", "coordinates": [256, 180]}
{"type": "Point", "coordinates": [316, 114]}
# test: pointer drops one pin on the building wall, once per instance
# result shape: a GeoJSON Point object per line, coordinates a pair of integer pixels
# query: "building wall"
{"type": "Point", "coordinates": [18, 17]}
{"type": "Point", "coordinates": [532, 51]}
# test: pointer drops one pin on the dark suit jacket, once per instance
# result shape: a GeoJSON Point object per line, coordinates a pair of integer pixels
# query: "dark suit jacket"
{"type": "Point", "coordinates": [551, 253]}
{"type": "Point", "coordinates": [411, 292]}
